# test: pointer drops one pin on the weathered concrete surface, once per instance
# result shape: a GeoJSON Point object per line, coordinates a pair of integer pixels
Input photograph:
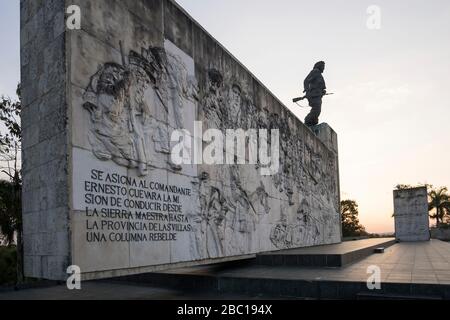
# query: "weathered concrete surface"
{"type": "Point", "coordinates": [328, 136]}
{"type": "Point", "coordinates": [45, 139]}
{"type": "Point", "coordinates": [411, 214]}
{"type": "Point", "coordinates": [100, 188]}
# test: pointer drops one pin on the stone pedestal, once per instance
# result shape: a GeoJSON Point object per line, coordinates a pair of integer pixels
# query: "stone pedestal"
{"type": "Point", "coordinates": [327, 135]}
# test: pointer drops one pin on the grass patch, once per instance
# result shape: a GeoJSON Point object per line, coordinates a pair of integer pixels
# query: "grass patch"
{"type": "Point", "coordinates": [8, 265]}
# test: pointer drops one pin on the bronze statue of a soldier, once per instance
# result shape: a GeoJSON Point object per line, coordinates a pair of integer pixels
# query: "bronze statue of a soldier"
{"type": "Point", "coordinates": [315, 89]}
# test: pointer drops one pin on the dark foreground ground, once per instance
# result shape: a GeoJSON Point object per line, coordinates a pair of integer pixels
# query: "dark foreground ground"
{"type": "Point", "coordinates": [118, 291]}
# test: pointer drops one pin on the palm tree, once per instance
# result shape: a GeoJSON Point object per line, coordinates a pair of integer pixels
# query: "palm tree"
{"type": "Point", "coordinates": [440, 201]}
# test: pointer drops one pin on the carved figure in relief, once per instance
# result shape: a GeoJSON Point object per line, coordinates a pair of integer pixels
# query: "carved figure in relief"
{"type": "Point", "coordinates": [241, 216]}
{"type": "Point", "coordinates": [215, 217]}
{"type": "Point", "coordinates": [303, 231]}
{"type": "Point", "coordinates": [260, 200]}
{"type": "Point", "coordinates": [182, 86]}
{"type": "Point", "coordinates": [278, 235]}
{"type": "Point", "coordinates": [121, 99]}
{"type": "Point", "coordinates": [212, 216]}
{"type": "Point", "coordinates": [106, 100]}
{"type": "Point", "coordinates": [234, 105]}
{"type": "Point", "coordinates": [213, 100]}
{"type": "Point", "coordinates": [307, 224]}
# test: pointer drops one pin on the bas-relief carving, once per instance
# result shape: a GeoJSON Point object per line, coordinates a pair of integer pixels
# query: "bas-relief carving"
{"type": "Point", "coordinates": [228, 218]}
{"type": "Point", "coordinates": [121, 98]}
{"type": "Point", "coordinates": [183, 87]}
{"type": "Point", "coordinates": [260, 198]}
{"type": "Point", "coordinates": [212, 100]}
{"type": "Point", "coordinates": [306, 171]}
{"type": "Point", "coordinates": [302, 229]}
{"type": "Point", "coordinates": [124, 101]}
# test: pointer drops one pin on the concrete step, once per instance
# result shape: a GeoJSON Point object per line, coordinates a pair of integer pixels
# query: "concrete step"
{"type": "Point", "coordinates": [304, 282]}
{"type": "Point", "coordinates": [283, 288]}
{"type": "Point", "coordinates": [334, 255]}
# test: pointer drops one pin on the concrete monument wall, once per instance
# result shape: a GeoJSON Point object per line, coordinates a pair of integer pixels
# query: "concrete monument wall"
{"type": "Point", "coordinates": [101, 188]}
{"type": "Point", "coordinates": [45, 140]}
{"type": "Point", "coordinates": [411, 215]}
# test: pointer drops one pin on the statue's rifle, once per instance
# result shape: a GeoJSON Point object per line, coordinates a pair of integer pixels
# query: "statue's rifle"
{"type": "Point", "coordinates": [297, 100]}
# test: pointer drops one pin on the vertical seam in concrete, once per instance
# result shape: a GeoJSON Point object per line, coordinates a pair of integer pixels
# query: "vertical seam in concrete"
{"type": "Point", "coordinates": [68, 102]}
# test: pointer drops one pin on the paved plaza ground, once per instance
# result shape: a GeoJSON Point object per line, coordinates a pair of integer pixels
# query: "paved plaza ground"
{"type": "Point", "coordinates": [403, 263]}
{"type": "Point", "coordinates": [419, 262]}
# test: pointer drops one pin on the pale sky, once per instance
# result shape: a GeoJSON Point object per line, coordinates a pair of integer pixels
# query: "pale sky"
{"type": "Point", "coordinates": [391, 106]}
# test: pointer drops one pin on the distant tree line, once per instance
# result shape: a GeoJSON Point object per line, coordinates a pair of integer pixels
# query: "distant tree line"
{"type": "Point", "coordinates": [11, 173]}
